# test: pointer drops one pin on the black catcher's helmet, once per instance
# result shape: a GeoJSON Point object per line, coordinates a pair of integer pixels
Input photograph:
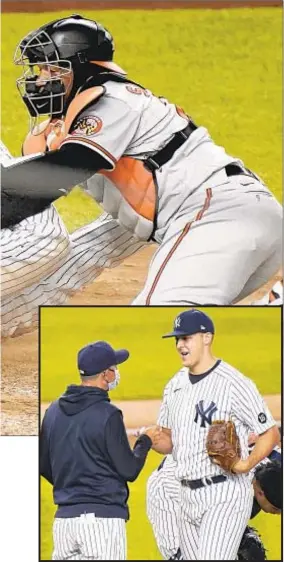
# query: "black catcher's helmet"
{"type": "Point", "coordinates": [72, 43]}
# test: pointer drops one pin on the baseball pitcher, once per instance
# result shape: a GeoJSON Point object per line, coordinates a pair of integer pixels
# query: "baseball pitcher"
{"type": "Point", "coordinates": [207, 413]}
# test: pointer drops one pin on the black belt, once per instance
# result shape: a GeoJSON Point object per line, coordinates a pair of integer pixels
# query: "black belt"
{"type": "Point", "coordinates": [194, 484]}
{"type": "Point", "coordinates": [162, 156]}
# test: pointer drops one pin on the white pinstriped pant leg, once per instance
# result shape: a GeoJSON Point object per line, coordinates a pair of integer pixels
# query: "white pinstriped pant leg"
{"type": "Point", "coordinates": [189, 540]}
{"type": "Point", "coordinates": [228, 522]}
{"type": "Point", "coordinates": [163, 514]}
{"type": "Point", "coordinates": [64, 544]}
{"type": "Point", "coordinates": [32, 250]}
{"type": "Point", "coordinates": [89, 538]}
{"type": "Point", "coordinates": [93, 247]}
{"type": "Point", "coordinates": [213, 520]}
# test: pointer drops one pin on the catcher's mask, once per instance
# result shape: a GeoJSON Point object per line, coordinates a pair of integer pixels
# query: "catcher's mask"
{"type": "Point", "coordinates": [69, 44]}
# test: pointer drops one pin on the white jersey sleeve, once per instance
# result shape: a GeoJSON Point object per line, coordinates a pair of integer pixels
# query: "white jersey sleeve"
{"type": "Point", "coordinates": [248, 406]}
{"type": "Point", "coordinates": [163, 417]}
{"type": "Point", "coordinates": [107, 127]}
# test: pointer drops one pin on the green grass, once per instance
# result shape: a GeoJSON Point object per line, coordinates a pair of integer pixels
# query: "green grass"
{"type": "Point", "coordinates": [224, 67]}
{"type": "Point", "coordinates": [248, 338]}
{"type": "Point", "coordinates": [141, 543]}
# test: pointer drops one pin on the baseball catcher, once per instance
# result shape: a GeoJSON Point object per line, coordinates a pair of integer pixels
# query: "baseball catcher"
{"type": "Point", "coordinates": [161, 176]}
{"type": "Point", "coordinates": [251, 547]}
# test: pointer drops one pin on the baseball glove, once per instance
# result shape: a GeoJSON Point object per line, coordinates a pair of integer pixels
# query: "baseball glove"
{"type": "Point", "coordinates": [223, 445]}
{"type": "Point", "coordinates": [251, 547]}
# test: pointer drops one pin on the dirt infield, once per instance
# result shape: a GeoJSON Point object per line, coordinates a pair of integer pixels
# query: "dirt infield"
{"type": "Point", "coordinates": [19, 355]}
{"type": "Point", "coordinates": [53, 5]}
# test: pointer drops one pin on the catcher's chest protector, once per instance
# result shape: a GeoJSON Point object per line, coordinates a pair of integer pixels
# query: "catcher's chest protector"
{"type": "Point", "coordinates": [128, 192]}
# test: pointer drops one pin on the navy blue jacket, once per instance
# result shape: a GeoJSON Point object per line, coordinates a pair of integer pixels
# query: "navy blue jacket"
{"type": "Point", "coordinates": [85, 454]}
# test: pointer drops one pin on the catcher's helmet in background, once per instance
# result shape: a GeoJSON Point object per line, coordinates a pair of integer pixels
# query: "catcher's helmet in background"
{"type": "Point", "coordinates": [73, 43]}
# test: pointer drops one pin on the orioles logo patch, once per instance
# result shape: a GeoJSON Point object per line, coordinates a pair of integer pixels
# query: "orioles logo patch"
{"type": "Point", "coordinates": [88, 125]}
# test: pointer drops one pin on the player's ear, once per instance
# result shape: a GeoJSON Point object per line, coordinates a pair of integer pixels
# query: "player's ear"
{"type": "Point", "coordinates": [208, 338]}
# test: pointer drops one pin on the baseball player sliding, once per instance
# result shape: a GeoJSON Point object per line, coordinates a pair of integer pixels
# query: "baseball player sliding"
{"type": "Point", "coordinates": [207, 412]}
{"type": "Point", "coordinates": [152, 168]}
{"type": "Point", "coordinates": [49, 265]}
{"type": "Point", "coordinates": [31, 249]}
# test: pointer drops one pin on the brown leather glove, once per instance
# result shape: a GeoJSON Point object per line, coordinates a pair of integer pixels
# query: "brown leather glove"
{"type": "Point", "coordinates": [223, 445]}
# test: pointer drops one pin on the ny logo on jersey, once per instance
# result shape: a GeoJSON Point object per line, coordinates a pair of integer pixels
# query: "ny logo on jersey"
{"type": "Point", "coordinates": [205, 415]}
{"type": "Point", "coordinates": [177, 322]}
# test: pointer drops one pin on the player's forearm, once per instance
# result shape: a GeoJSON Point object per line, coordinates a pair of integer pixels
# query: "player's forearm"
{"type": "Point", "coordinates": [263, 447]}
{"type": "Point", "coordinates": [127, 462]}
{"type": "Point", "coordinates": [51, 174]}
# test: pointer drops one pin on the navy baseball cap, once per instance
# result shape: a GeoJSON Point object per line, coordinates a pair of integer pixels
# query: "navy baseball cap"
{"type": "Point", "coordinates": [191, 322]}
{"type": "Point", "coordinates": [96, 357]}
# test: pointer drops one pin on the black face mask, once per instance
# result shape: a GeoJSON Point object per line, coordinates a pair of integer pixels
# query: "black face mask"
{"type": "Point", "coordinates": [44, 99]}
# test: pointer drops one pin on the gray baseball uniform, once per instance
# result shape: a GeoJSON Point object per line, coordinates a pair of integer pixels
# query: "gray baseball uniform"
{"type": "Point", "coordinates": [219, 231]}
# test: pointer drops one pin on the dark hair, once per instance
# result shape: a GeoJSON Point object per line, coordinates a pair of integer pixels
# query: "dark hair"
{"type": "Point", "coordinates": [269, 478]}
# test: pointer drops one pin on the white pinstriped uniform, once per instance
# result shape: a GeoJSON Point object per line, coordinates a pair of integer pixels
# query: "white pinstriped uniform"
{"type": "Point", "coordinates": [212, 518]}
{"type": "Point", "coordinates": [100, 244]}
{"type": "Point", "coordinates": [89, 538]}
{"type": "Point", "coordinates": [163, 497]}
{"type": "Point", "coordinates": [32, 249]}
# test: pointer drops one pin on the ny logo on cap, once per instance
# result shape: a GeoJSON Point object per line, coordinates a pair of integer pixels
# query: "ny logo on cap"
{"type": "Point", "coordinates": [177, 322]}
{"type": "Point", "coordinates": [202, 327]}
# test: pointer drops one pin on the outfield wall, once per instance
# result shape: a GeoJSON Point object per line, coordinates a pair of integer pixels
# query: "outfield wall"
{"type": "Point", "coordinates": [53, 5]}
